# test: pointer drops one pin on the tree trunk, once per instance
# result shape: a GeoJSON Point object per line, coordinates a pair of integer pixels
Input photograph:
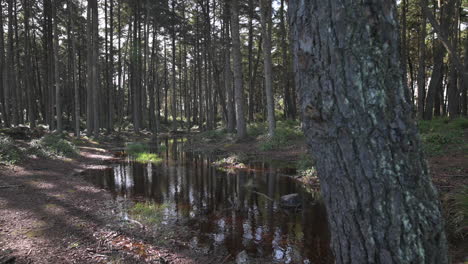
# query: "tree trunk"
{"type": "Point", "coordinates": [265, 14]}
{"type": "Point", "coordinates": [231, 116]}
{"type": "Point", "coordinates": [29, 80]}
{"type": "Point", "coordinates": [238, 81]}
{"type": "Point", "coordinates": [422, 65]}
{"type": "Point", "coordinates": [174, 94]}
{"type": "Point", "coordinates": [381, 204]}
{"type": "Point", "coordinates": [58, 95]}
{"type": "Point", "coordinates": [464, 83]}
{"type": "Point", "coordinates": [76, 87]}
{"type": "Point", "coordinates": [89, 86]}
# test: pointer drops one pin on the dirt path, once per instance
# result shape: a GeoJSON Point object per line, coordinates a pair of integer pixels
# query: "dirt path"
{"type": "Point", "coordinates": [49, 214]}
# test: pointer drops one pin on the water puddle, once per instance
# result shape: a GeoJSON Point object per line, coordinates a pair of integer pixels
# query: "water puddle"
{"type": "Point", "coordinates": [236, 210]}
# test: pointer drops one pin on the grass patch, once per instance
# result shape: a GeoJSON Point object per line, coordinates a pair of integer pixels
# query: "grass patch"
{"type": "Point", "coordinates": [9, 152]}
{"type": "Point", "coordinates": [146, 157]}
{"type": "Point", "coordinates": [54, 145]}
{"type": "Point", "coordinates": [148, 213]}
{"type": "Point", "coordinates": [456, 210]}
{"type": "Point", "coordinates": [286, 132]}
{"type": "Point", "coordinates": [141, 153]}
{"type": "Point", "coordinates": [213, 135]}
{"type": "Point", "coordinates": [442, 135]}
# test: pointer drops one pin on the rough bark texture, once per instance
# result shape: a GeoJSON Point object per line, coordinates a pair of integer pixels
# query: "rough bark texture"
{"type": "Point", "coordinates": [382, 206]}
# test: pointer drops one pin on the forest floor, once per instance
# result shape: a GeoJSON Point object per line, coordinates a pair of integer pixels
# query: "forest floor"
{"type": "Point", "coordinates": [50, 214]}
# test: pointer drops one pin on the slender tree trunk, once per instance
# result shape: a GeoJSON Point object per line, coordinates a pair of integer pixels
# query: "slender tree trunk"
{"type": "Point", "coordinates": [4, 74]}
{"type": "Point", "coordinates": [231, 121]}
{"type": "Point", "coordinates": [381, 204]}
{"type": "Point", "coordinates": [422, 66]}
{"type": "Point", "coordinates": [238, 81]}
{"type": "Point", "coordinates": [265, 11]}
{"type": "Point", "coordinates": [286, 74]}
{"type": "Point", "coordinates": [11, 66]}
{"type": "Point", "coordinates": [174, 94]}
{"type": "Point", "coordinates": [58, 95]}
{"type": "Point", "coordinates": [95, 68]}
{"type": "Point", "coordinates": [76, 87]}
{"type": "Point", "coordinates": [90, 84]}
{"type": "Point", "coordinates": [250, 61]}
{"type": "Point", "coordinates": [464, 84]}
{"type": "Point", "coordinates": [29, 80]}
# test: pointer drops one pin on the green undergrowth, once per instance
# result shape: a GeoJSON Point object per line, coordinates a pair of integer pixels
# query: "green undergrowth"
{"type": "Point", "coordinates": [306, 166]}
{"type": "Point", "coordinates": [442, 135]}
{"type": "Point", "coordinates": [220, 134]}
{"type": "Point", "coordinates": [285, 134]}
{"type": "Point", "coordinates": [9, 152]}
{"type": "Point", "coordinates": [148, 213]}
{"type": "Point", "coordinates": [141, 153]}
{"type": "Point", "coordinates": [58, 145]}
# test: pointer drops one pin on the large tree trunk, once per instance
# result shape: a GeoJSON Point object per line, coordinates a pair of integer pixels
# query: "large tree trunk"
{"type": "Point", "coordinates": [265, 14]}
{"type": "Point", "coordinates": [237, 59]}
{"type": "Point", "coordinates": [381, 204]}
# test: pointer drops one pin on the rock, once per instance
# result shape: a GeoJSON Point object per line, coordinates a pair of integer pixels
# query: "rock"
{"type": "Point", "coordinates": [291, 200]}
{"type": "Point", "coordinates": [242, 258]}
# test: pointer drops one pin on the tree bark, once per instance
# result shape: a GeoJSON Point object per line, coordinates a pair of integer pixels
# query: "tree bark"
{"type": "Point", "coordinates": [381, 204]}
{"type": "Point", "coordinates": [58, 95]}
{"type": "Point", "coordinates": [422, 65]}
{"type": "Point", "coordinates": [231, 116]}
{"type": "Point", "coordinates": [238, 81]}
{"type": "Point", "coordinates": [265, 11]}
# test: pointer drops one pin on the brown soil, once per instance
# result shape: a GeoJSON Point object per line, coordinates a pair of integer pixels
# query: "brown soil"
{"type": "Point", "coordinates": [49, 214]}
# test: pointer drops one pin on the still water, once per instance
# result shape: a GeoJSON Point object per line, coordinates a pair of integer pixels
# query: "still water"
{"type": "Point", "coordinates": [237, 210]}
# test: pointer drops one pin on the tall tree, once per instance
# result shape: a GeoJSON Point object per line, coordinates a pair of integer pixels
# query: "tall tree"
{"type": "Point", "coordinates": [237, 60]}
{"type": "Point", "coordinates": [265, 14]}
{"type": "Point", "coordinates": [381, 204]}
{"type": "Point", "coordinates": [56, 47]}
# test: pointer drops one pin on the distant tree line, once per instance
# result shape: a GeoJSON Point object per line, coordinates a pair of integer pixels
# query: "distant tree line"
{"type": "Point", "coordinates": [101, 66]}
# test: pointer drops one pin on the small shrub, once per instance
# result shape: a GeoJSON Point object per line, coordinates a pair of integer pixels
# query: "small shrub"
{"type": "Point", "coordinates": [146, 157]}
{"type": "Point", "coordinates": [306, 166]}
{"type": "Point", "coordinates": [141, 153]}
{"type": "Point", "coordinates": [54, 145]}
{"type": "Point", "coordinates": [9, 152]}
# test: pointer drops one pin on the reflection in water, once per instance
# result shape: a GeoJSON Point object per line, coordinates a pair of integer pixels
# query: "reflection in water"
{"type": "Point", "coordinates": [231, 210]}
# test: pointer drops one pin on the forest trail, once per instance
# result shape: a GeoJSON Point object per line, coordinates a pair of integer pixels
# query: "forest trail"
{"type": "Point", "coordinates": [49, 215]}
